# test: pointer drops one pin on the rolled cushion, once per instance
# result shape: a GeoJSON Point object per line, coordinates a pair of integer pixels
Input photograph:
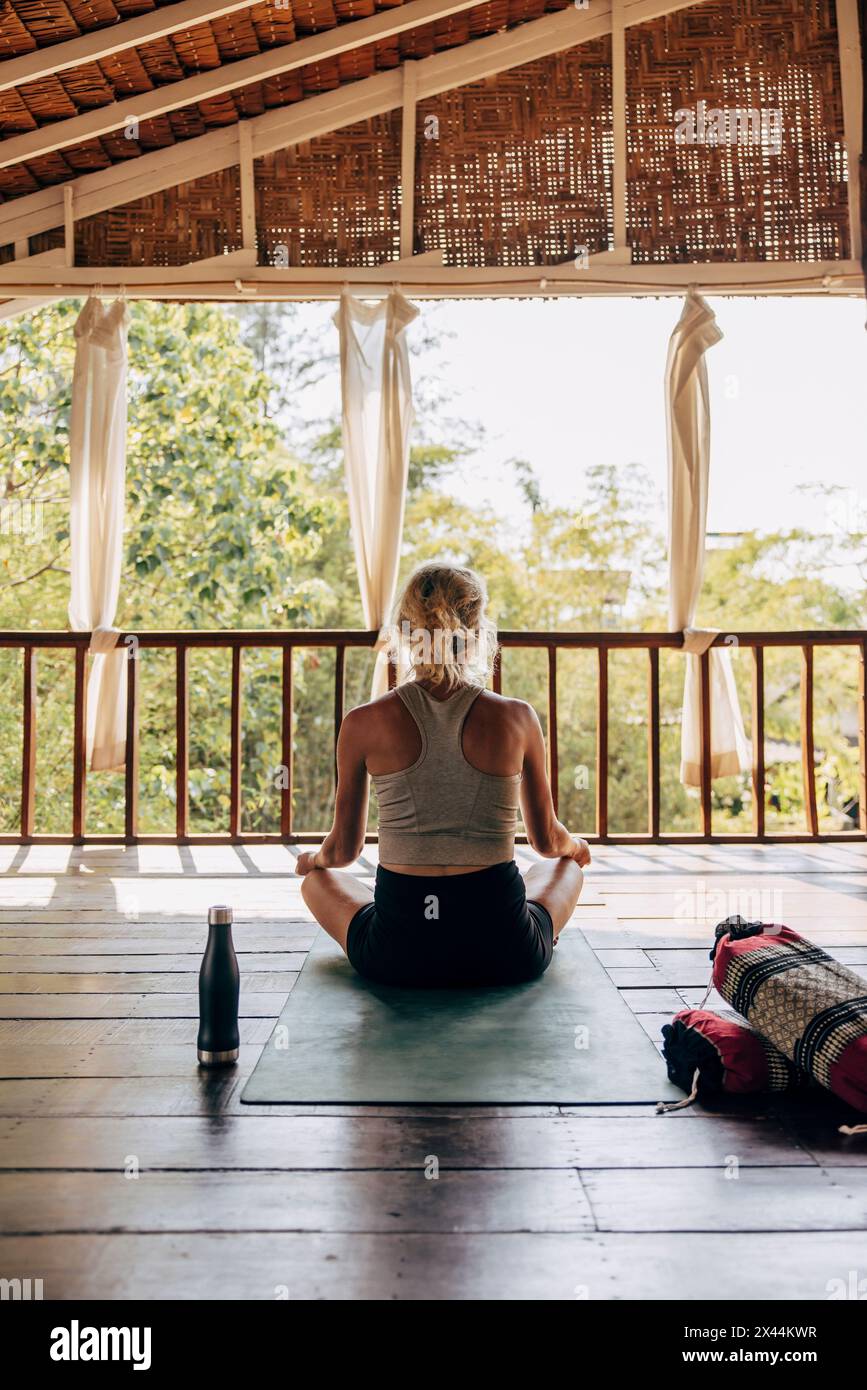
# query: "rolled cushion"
{"type": "Point", "coordinates": [728, 1056]}
{"type": "Point", "coordinates": [811, 1008]}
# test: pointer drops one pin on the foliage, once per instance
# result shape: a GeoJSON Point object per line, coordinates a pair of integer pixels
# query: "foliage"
{"type": "Point", "coordinates": [237, 517]}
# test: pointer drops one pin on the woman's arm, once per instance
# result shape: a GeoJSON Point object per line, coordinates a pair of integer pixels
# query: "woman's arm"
{"type": "Point", "coordinates": [547, 835]}
{"type": "Point", "coordinates": [345, 840]}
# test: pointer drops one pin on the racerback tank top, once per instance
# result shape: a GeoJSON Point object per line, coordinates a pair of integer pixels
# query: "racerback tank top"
{"type": "Point", "coordinates": [441, 809]}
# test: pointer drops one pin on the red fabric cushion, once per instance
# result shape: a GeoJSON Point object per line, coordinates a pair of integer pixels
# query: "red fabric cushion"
{"type": "Point", "coordinates": [728, 1055]}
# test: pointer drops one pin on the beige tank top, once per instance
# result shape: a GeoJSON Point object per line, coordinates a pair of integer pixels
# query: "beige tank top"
{"type": "Point", "coordinates": [441, 809]}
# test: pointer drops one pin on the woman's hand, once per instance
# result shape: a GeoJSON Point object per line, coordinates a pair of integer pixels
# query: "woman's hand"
{"type": "Point", "coordinates": [305, 862]}
{"type": "Point", "coordinates": [581, 852]}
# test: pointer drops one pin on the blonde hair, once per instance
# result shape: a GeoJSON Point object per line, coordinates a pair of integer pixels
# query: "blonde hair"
{"type": "Point", "coordinates": [441, 632]}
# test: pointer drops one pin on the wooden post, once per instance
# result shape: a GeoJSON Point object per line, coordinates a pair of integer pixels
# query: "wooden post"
{"type": "Point", "coordinates": [339, 696]}
{"type": "Point", "coordinates": [653, 796]}
{"type": "Point", "coordinates": [407, 159]}
{"type": "Point", "coordinates": [68, 225]}
{"type": "Point", "coordinates": [808, 752]}
{"type": "Point", "coordinates": [235, 753]}
{"type": "Point", "coordinates": [28, 751]}
{"type": "Point", "coordinates": [182, 736]}
{"type": "Point", "coordinates": [618, 106]}
{"type": "Point", "coordinates": [247, 180]}
{"type": "Point", "coordinates": [553, 748]}
{"type": "Point", "coordinates": [706, 784]}
{"type": "Point", "coordinates": [131, 764]}
{"type": "Point", "coordinates": [79, 746]}
{"type": "Point", "coordinates": [287, 719]}
{"type": "Point", "coordinates": [602, 746]}
{"type": "Point", "coordinates": [852, 99]}
{"type": "Point", "coordinates": [758, 741]}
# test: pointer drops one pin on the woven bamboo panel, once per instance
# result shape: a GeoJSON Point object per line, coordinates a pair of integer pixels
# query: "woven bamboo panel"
{"type": "Point", "coordinates": [26, 24]}
{"type": "Point", "coordinates": [738, 202]}
{"type": "Point", "coordinates": [517, 170]}
{"type": "Point", "coordinates": [334, 201]}
{"type": "Point", "coordinates": [183, 224]}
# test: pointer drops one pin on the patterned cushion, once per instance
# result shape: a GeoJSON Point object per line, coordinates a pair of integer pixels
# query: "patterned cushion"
{"type": "Point", "coordinates": [728, 1056]}
{"type": "Point", "coordinates": [812, 1009]}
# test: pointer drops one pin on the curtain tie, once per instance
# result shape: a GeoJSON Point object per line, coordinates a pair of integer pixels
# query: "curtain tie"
{"type": "Point", "coordinates": [697, 640]}
{"type": "Point", "coordinates": [104, 639]}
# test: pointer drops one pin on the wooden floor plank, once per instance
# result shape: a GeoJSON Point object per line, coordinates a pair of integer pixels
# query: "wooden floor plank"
{"type": "Point", "coordinates": [46, 1006]}
{"type": "Point", "coordinates": [352, 1142]}
{"type": "Point", "coordinates": [261, 981]}
{"type": "Point", "coordinates": [756, 1199]}
{"type": "Point", "coordinates": [438, 1267]}
{"type": "Point", "coordinates": [523, 1200]}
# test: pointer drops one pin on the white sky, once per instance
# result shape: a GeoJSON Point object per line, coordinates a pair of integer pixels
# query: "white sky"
{"type": "Point", "coordinates": [566, 384]}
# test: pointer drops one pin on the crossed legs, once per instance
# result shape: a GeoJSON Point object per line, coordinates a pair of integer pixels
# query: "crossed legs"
{"type": "Point", "coordinates": [334, 896]}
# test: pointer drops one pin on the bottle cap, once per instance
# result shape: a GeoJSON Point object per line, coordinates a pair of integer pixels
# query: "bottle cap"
{"type": "Point", "coordinates": [220, 916]}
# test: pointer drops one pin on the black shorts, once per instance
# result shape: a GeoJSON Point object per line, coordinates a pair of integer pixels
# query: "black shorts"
{"type": "Point", "coordinates": [453, 930]}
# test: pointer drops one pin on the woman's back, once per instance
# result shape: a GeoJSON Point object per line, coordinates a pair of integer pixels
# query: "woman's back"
{"type": "Point", "coordinates": [447, 772]}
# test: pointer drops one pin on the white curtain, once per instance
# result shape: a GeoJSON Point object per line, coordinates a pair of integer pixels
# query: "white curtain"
{"type": "Point", "coordinates": [688, 419]}
{"type": "Point", "coordinates": [97, 471]}
{"type": "Point", "coordinates": [377, 415]}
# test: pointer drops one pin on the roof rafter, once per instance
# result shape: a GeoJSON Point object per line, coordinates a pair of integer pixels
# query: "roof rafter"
{"type": "Point", "coordinates": [59, 135]}
{"type": "Point", "coordinates": [114, 38]}
{"type": "Point", "coordinates": [305, 120]}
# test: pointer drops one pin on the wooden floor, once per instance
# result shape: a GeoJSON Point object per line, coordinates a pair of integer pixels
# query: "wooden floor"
{"type": "Point", "coordinates": [128, 1173]}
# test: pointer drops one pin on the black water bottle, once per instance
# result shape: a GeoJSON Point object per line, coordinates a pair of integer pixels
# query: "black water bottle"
{"type": "Point", "coordinates": [219, 986]}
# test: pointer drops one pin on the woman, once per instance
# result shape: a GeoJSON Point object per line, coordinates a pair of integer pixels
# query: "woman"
{"type": "Point", "coordinates": [450, 761]}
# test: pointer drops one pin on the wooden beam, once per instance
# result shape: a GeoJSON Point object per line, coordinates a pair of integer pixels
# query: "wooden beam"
{"type": "Point", "coordinates": [114, 38]}
{"type": "Point", "coordinates": [853, 113]}
{"type": "Point", "coordinates": [229, 77]}
{"type": "Point", "coordinates": [407, 159]}
{"type": "Point", "coordinates": [315, 116]}
{"type": "Point", "coordinates": [211, 281]}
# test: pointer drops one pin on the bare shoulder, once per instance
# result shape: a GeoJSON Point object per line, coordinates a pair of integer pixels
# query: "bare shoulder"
{"type": "Point", "coordinates": [365, 720]}
{"type": "Point", "coordinates": [504, 709]}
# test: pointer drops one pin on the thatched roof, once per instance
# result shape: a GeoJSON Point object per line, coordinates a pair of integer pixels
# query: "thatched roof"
{"type": "Point", "coordinates": [334, 134]}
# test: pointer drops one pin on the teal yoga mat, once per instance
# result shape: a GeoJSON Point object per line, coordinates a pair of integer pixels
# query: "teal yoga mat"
{"type": "Point", "coordinates": [567, 1038]}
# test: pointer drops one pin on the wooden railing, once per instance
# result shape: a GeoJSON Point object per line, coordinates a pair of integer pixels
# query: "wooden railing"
{"type": "Point", "coordinates": [182, 643]}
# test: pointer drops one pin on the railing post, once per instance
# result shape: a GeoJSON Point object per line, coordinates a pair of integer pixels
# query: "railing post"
{"type": "Point", "coordinates": [182, 737]}
{"type": "Point", "coordinates": [339, 696]}
{"type": "Point", "coordinates": [28, 750]}
{"type": "Point", "coordinates": [553, 748]}
{"type": "Point", "coordinates": [131, 765]}
{"type": "Point", "coordinates": [235, 754]}
{"type": "Point", "coordinates": [706, 801]}
{"type": "Point", "coordinates": [79, 746]}
{"type": "Point", "coordinates": [286, 743]}
{"type": "Point", "coordinates": [758, 741]}
{"type": "Point", "coordinates": [653, 797]}
{"type": "Point", "coordinates": [602, 745]}
{"type": "Point", "coordinates": [808, 752]}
